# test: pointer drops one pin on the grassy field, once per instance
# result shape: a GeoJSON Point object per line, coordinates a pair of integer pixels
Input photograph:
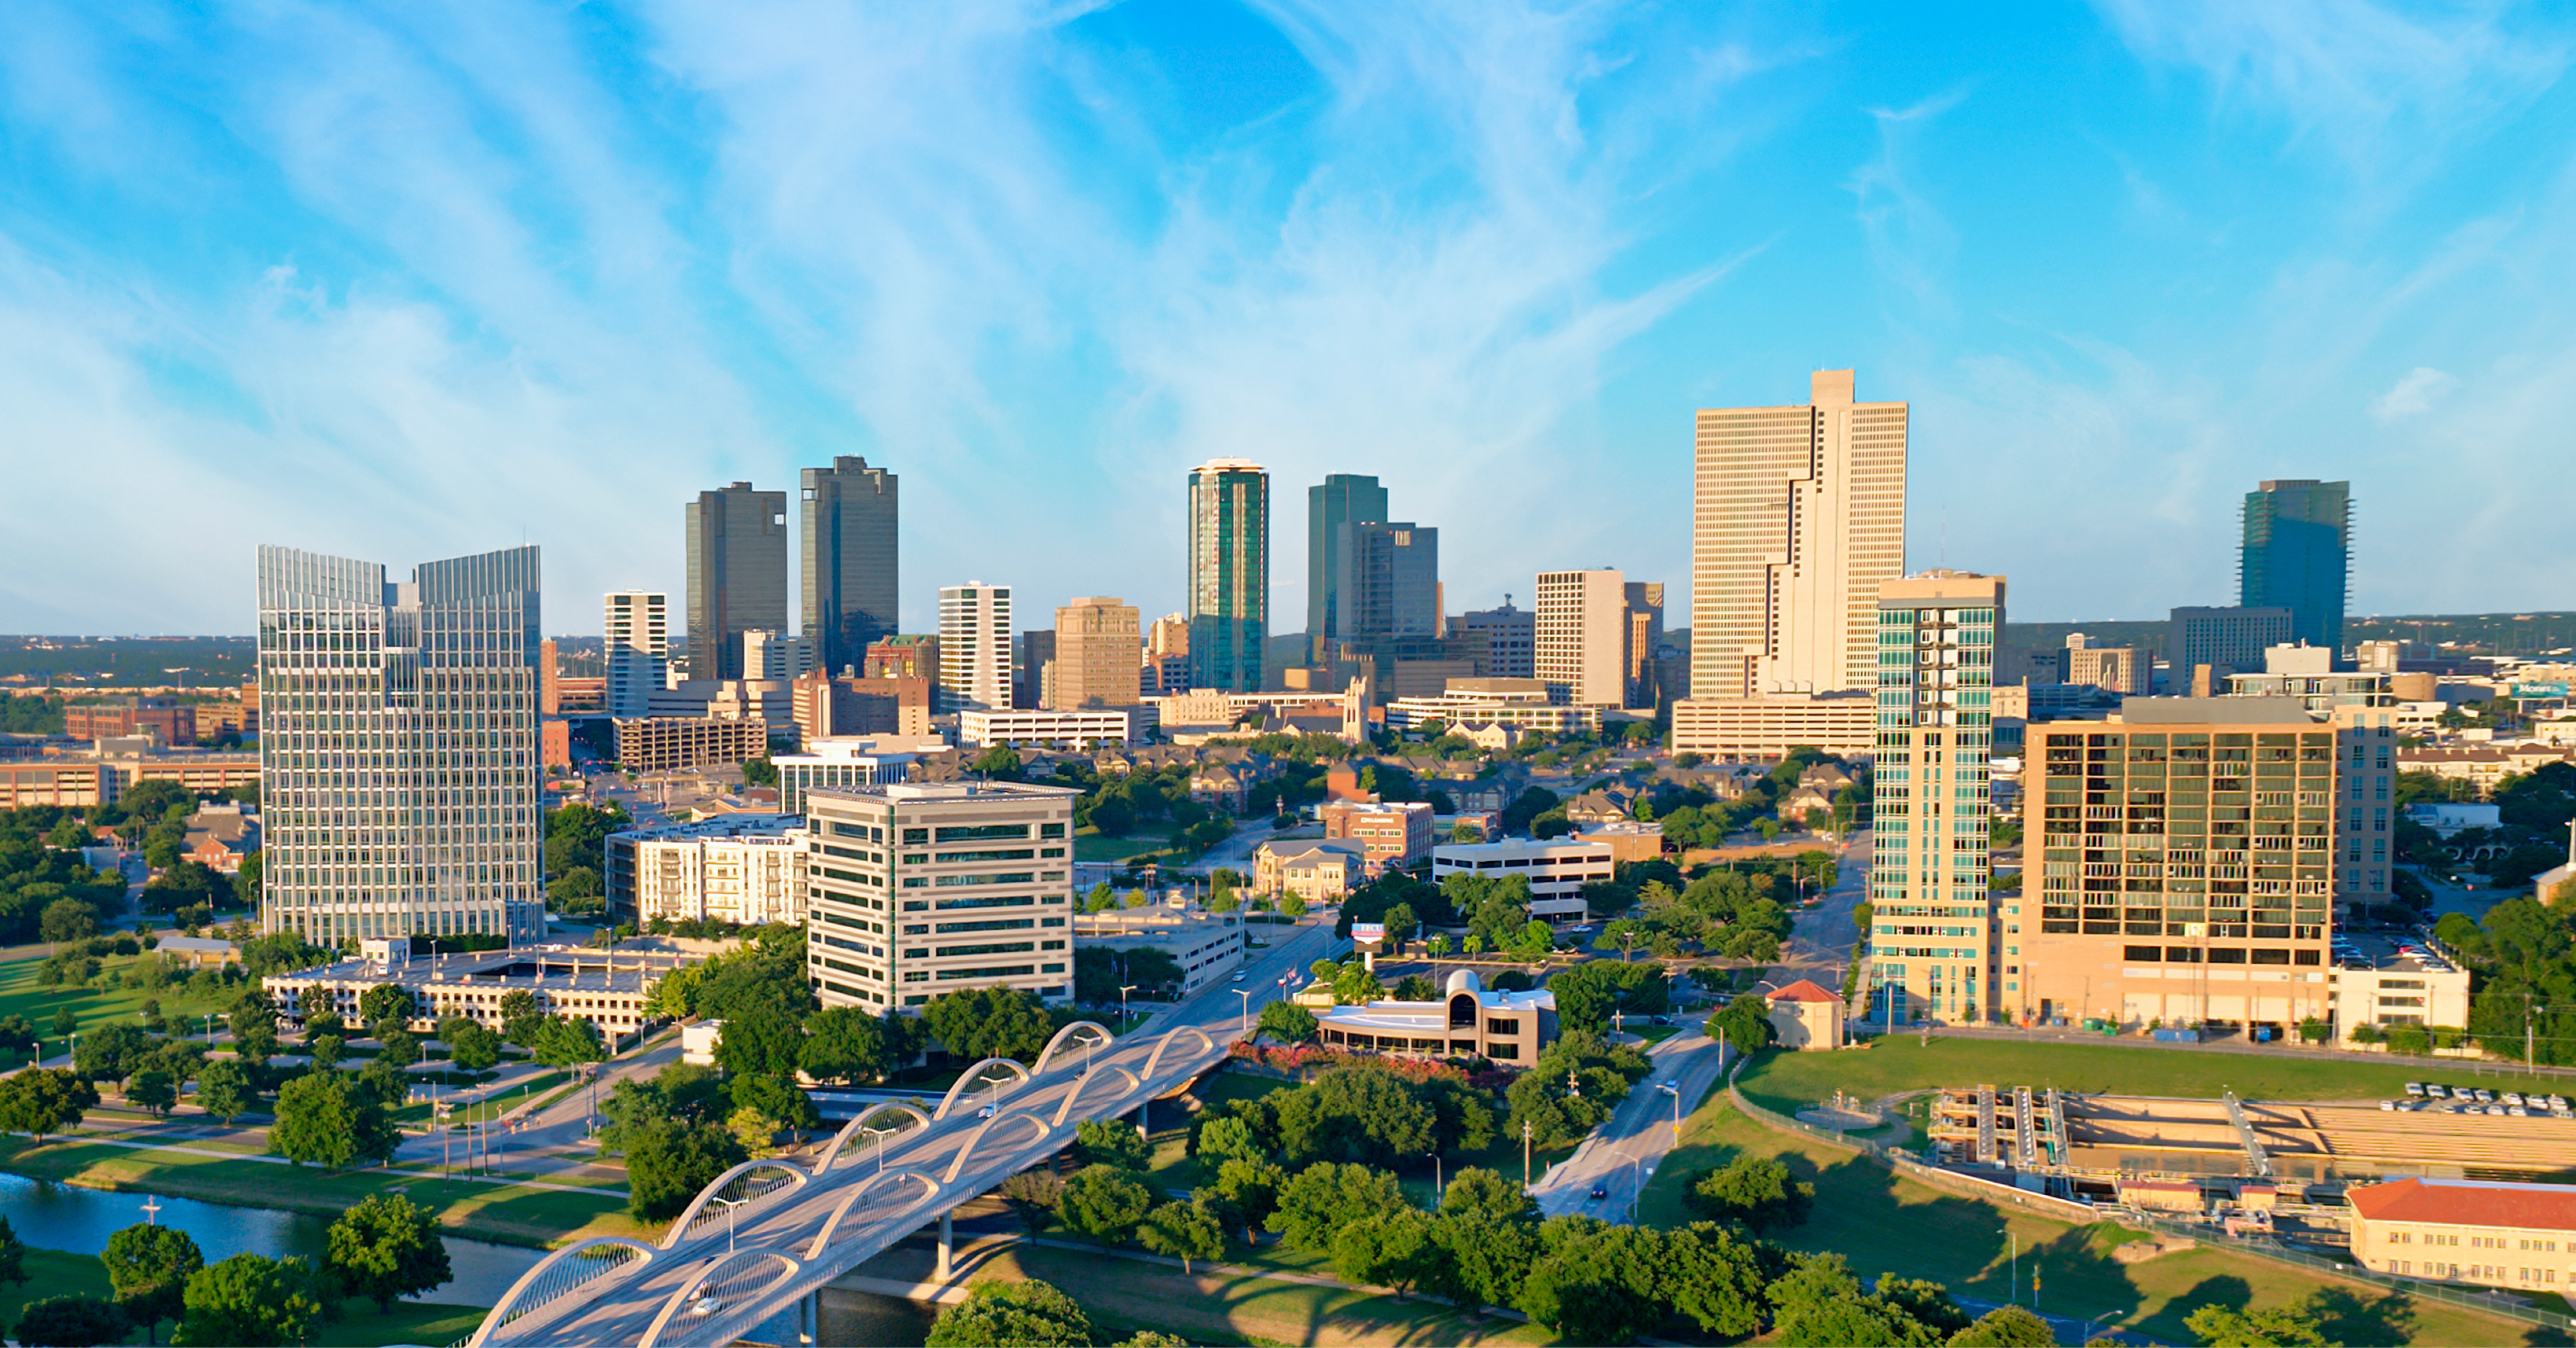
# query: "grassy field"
{"type": "Point", "coordinates": [21, 996]}
{"type": "Point", "coordinates": [541, 1087]}
{"type": "Point", "coordinates": [1245, 1308]}
{"type": "Point", "coordinates": [56, 1273]}
{"type": "Point", "coordinates": [507, 1214]}
{"type": "Point", "coordinates": [1884, 1224]}
{"type": "Point", "coordinates": [1789, 1081]}
{"type": "Point", "coordinates": [1091, 846]}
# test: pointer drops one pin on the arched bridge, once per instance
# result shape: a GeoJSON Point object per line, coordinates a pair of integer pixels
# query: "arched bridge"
{"type": "Point", "coordinates": [767, 1235]}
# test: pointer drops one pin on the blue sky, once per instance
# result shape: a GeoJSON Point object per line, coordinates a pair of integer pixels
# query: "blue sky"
{"type": "Point", "coordinates": [408, 281]}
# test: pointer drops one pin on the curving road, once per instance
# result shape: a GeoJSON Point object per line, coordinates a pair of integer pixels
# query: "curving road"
{"type": "Point", "coordinates": [1621, 1155]}
{"type": "Point", "coordinates": [727, 1275]}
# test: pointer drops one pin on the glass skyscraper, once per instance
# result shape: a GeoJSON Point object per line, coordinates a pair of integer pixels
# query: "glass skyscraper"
{"type": "Point", "coordinates": [2298, 534]}
{"type": "Point", "coordinates": [1229, 574]}
{"type": "Point", "coordinates": [847, 561]}
{"type": "Point", "coordinates": [398, 747]}
{"type": "Point", "coordinates": [1340, 499]}
{"type": "Point", "coordinates": [737, 575]}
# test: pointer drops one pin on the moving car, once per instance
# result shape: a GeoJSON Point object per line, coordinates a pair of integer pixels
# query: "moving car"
{"type": "Point", "coordinates": [1601, 1191]}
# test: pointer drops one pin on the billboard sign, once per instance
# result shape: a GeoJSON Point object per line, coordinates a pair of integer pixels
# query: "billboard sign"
{"type": "Point", "coordinates": [1368, 931]}
{"type": "Point", "coordinates": [2536, 690]}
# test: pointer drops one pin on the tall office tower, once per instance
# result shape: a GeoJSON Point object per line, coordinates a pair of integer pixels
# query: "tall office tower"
{"type": "Point", "coordinates": [1388, 580]}
{"type": "Point", "coordinates": [549, 680]}
{"type": "Point", "coordinates": [1096, 645]}
{"type": "Point", "coordinates": [1170, 635]}
{"type": "Point", "coordinates": [2297, 555]}
{"type": "Point", "coordinates": [776, 655]}
{"type": "Point", "coordinates": [2228, 640]}
{"type": "Point", "coordinates": [737, 574]}
{"type": "Point", "coordinates": [1931, 945]}
{"type": "Point", "coordinates": [975, 646]}
{"type": "Point", "coordinates": [847, 560]}
{"type": "Point", "coordinates": [1032, 665]}
{"type": "Point", "coordinates": [1342, 498]}
{"type": "Point", "coordinates": [1229, 574]}
{"type": "Point", "coordinates": [2184, 860]}
{"type": "Point", "coordinates": [1799, 517]}
{"type": "Point", "coordinates": [637, 624]}
{"type": "Point", "coordinates": [398, 759]}
{"type": "Point", "coordinates": [1507, 634]}
{"type": "Point", "coordinates": [1579, 641]}
{"type": "Point", "coordinates": [1645, 630]}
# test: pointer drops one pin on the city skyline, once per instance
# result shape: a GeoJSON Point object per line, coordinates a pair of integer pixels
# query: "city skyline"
{"type": "Point", "coordinates": [466, 286]}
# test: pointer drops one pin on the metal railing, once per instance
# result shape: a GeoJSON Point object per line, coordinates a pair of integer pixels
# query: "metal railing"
{"type": "Point", "coordinates": [2492, 1302]}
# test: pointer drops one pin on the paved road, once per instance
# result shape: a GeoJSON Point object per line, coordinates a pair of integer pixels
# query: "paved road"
{"type": "Point", "coordinates": [1822, 937]}
{"type": "Point", "coordinates": [1621, 1155]}
{"type": "Point", "coordinates": [622, 1311]}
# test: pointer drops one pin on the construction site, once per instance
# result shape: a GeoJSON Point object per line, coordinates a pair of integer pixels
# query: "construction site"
{"type": "Point", "coordinates": [2125, 1147]}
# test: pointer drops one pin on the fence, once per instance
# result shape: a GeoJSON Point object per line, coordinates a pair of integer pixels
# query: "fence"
{"type": "Point", "coordinates": [1904, 1162]}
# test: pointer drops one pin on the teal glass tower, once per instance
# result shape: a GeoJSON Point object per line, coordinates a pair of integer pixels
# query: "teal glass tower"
{"type": "Point", "coordinates": [2297, 555]}
{"type": "Point", "coordinates": [1229, 574]}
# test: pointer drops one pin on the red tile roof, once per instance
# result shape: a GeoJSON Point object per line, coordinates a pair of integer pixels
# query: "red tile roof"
{"type": "Point", "coordinates": [1804, 990]}
{"type": "Point", "coordinates": [2519, 1207]}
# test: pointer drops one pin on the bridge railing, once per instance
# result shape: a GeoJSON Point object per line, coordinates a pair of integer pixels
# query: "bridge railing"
{"type": "Point", "coordinates": [748, 1185]}
{"type": "Point", "coordinates": [559, 1275]}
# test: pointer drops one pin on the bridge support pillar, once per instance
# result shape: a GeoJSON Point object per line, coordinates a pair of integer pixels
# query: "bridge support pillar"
{"type": "Point", "coordinates": [947, 1242]}
{"type": "Point", "coordinates": [1145, 1119]}
{"type": "Point", "coordinates": [809, 1320]}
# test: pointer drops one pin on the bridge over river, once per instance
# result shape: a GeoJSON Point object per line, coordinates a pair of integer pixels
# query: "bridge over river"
{"type": "Point", "coordinates": [762, 1239]}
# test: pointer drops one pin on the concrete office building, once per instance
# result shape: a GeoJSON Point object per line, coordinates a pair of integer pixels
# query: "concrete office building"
{"type": "Point", "coordinates": [1579, 639]}
{"type": "Point", "coordinates": [871, 760]}
{"type": "Point", "coordinates": [974, 646]}
{"type": "Point", "coordinates": [637, 628]}
{"type": "Point", "coordinates": [2113, 669]}
{"type": "Point", "coordinates": [2225, 639]}
{"type": "Point", "coordinates": [398, 763]}
{"type": "Point", "coordinates": [1097, 650]}
{"type": "Point", "coordinates": [737, 574]}
{"type": "Point", "coordinates": [1799, 517]}
{"type": "Point", "coordinates": [747, 869]}
{"type": "Point", "coordinates": [1229, 596]}
{"type": "Point", "coordinates": [1932, 939]}
{"type": "Point", "coordinates": [848, 562]}
{"type": "Point", "coordinates": [1340, 499]}
{"type": "Point", "coordinates": [1508, 636]}
{"type": "Point", "coordinates": [2297, 555]}
{"type": "Point", "coordinates": [1520, 703]}
{"type": "Point", "coordinates": [1557, 869]}
{"type": "Point", "coordinates": [1645, 630]}
{"type": "Point", "coordinates": [776, 656]}
{"type": "Point", "coordinates": [2183, 865]}
{"type": "Point", "coordinates": [1034, 728]}
{"type": "Point", "coordinates": [916, 889]}
{"type": "Point", "coordinates": [1207, 946]}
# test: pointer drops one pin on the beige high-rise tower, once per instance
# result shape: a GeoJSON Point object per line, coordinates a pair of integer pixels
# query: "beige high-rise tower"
{"type": "Point", "coordinates": [1799, 516]}
{"type": "Point", "coordinates": [1096, 650]}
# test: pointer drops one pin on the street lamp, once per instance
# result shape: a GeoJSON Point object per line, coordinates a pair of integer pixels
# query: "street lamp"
{"type": "Point", "coordinates": [1246, 995]}
{"type": "Point", "coordinates": [731, 1206]}
{"type": "Point", "coordinates": [1123, 990]}
{"type": "Point", "coordinates": [878, 1136]}
{"type": "Point", "coordinates": [1439, 1176]}
{"type": "Point", "coordinates": [1674, 1091]}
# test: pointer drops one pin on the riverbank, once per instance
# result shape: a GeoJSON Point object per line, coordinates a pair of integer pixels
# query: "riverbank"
{"type": "Point", "coordinates": [52, 1273]}
{"type": "Point", "coordinates": [504, 1214]}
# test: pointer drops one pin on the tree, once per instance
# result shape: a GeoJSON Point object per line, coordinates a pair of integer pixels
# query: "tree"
{"type": "Point", "coordinates": [1033, 1195]}
{"type": "Point", "coordinates": [571, 1041]}
{"type": "Point", "coordinates": [66, 1021]}
{"type": "Point", "coordinates": [470, 1045]}
{"type": "Point", "coordinates": [520, 1019]}
{"type": "Point", "coordinates": [1477, 1189]}
{"type": "Point", "coordinates": [1183, 1231]}
{"type": "Point", "coordinates": [1325, 1197]}
{"type": "Point", "coordinates": [13, 1255]}
{"type": "Point", "coordinates": [1819, 1301]}
{"type": "Point", "coordinates": [668, 1162]}
{"type": "Point", "coordinates": [111, 1052]}
{"type": "Point", "coordinates": [329, 1119]}
{"type": "Point", "coordinates": [1360, 1113]}
{"type": "Point", "coordinates": [1596, 1283]}
{"type": "Point", "coordinates": [776, 1097]}
{"type": "Point", "coordinates": [1288, 1022]}
{"type": "Point", "coordinates": [253, 1299]}
{"type": "Point", "coordinates": [44, 1100]}
{"type": "Point", "coordinates": [993, 1022]}
{"type": "Point", "coordinates": [150, 1266]}
{"type": "Point", "coordinates": [1247, 1191]}
{"type": "Point", "coordinates": [1105, 1202]}
{"type": "Point", "coordinates": [386, 1248]}
{"type": "Point", "coordinates": [399, 1049]}
{"type": "Point", "coordinates": [1746, 1022]}
{"type": "Point", "coordinates": [224, 1089]}
{"type": "Point", "coordinates": [385, 1002]}
{"type": "Point", "coordinates": [1714, 1278]}
{"type": "Point", "coordinates": [1390, 1248]}
{"type": "Point", "coordinates": [1109, 1142]}
{"type": "Point", "coordinates": [1027, 1314]}
{"type": "Point", "coordinates": [72, 1322]}
{"type": "Point", "coordinates": [1926, 1301]}
{"type": "Point", "coordinates": [845, 1045]}
{"type": "Point", "coordinates": [324, 1050]}
{"type": "Point", "coordinates": [2281, 1327]}
{"type": "Point", "coordinates": [2005, 1327]}
{"type": "Point", "coordinates": [1756, 1192]}
{"type": "Point", "coordinates": [153, 1089]}
{"type": "Point", "coordinates": [68, 920]}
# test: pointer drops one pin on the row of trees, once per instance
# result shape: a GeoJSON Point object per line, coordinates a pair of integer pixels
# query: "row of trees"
{"type": "Point", "coordinates": [384, 1248]}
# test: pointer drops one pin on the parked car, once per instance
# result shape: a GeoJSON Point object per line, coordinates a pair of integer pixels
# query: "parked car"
{"type": "Point", "coordinates": [2388, 1104]}
{"type": "Point", "coordinates": [2415, 1088]}
{"type": "Point", "coordinates": [2511, 1097]}
{"type": "Point", "coordinates": [2438, 1091]}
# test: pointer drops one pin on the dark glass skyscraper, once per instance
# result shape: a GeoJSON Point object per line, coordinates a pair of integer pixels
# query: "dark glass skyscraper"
{"type": "Point", "coordinates": [2297, 555]}
{"type": "Point", "coordinates": [1389, 581]}
{"type": "Point", "coordinates": [737, 574]}
{"type": "Point", "coordinates": [849, 563]}
{"type": "Point", "coordinates": [1229, 574]}
{"type": "Point", "coordinates": [1342, 498]}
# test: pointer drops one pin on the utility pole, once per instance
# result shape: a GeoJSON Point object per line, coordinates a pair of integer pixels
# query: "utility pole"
{"type": "Point", "coordinates": [1525, 1155]}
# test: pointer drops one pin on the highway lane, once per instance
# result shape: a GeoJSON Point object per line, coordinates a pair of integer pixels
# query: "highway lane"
{"type": "Point", "coordinates": [624, 1310]}
{"type": "Point", "coordinates": [1621, 1155]}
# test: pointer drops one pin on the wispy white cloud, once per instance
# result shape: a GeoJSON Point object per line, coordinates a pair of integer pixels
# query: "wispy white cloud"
{"type": "Point", "coordinates": [1910, 240]}
{"type": "Point", "coordinates": [2413, 394]}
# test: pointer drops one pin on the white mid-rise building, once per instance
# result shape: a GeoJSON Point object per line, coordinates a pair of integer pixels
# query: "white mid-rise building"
{"type": "Point", "coordinates": [1105, 727]}
{"type": "Point", "coordinates": [975, 646]}
{"type": "Point", "coordinates": [776, 656]}
{"type": "Point", "coordinates": [835, 763]}
{"type": "Point", "coordinates": [915, 889]}
{"type": "Point", "coordinates": [747, 869]}
{"type": "Point", "coordinates": [1207, 946]}
{"type": "Point", "coordinates": [637, 627]}
{"type": "Point", "coordinates": [1579, 640]}
{"type": "Point", "coordinates": [1557, 870]}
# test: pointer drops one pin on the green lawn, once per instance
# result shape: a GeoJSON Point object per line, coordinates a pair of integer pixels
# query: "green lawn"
{"type": "Point", "coordinates": [1884, 1224]}
{"type": "Point", "coordinates": [53, 1273]}
{"type": "Point", "coordinates": [544, 1085]}
{"type": "Point", "coordinates": [508, 1214]}
{"type": "Point", "coordinates": [1089, 845]}
{"type": "Point", "coordinates": [1245, 1307]}
{"type": "Point", "coordinates": [1792, 1081]}
{"type": "Point", "coordinates": [21, 996]}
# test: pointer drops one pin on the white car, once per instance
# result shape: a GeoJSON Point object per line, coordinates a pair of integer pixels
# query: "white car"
{"type": "Point", "coordinates": [2415, 1088]}
{"type": "Point", "coordinates": [705, 1306]}
{"type": "Point", "coordinates": [985, 1113]}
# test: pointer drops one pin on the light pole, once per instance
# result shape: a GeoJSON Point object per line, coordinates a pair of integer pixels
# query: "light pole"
{"type": "Point", "coordinates": [1525, 1155]}
{"type": "Point", "coordinates": [1676, 1092]}
{"type": "Point", "coordinates": [1123, 990]}
{"type": "Point", "coordinates": [732, 1219]}
{"type": "Point", "coordinates": [2015, 1284]}
{"type": "Point", "coordinates": [878, 1136]}
{"type": "Point", "coordinates": [1246, 995]}
{"type": "Point", "coordinates": [1439, 1176]}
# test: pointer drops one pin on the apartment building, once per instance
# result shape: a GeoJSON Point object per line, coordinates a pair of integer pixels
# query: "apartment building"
{"type": "Point", "coordinates": [742, 868]}
{"type": "Point", "coordinates": [1579, 637]}
{"type": "Point", "coordinates": [974, 646]}
{"type": "Point", "coordinates": [914, 889]}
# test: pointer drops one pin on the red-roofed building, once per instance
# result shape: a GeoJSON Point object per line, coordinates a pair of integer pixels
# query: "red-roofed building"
{"type": "Point", "coordinates": [1804, 1015]}
{"type": "Point", "coordinates": [2492, 1234]}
